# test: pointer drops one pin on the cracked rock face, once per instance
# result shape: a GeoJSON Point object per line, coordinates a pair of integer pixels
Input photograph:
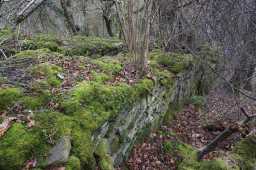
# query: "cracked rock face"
{"type": "Point", "coordinates": [49, 17]}
{"type": "Point", "coordinates": [59, 154]}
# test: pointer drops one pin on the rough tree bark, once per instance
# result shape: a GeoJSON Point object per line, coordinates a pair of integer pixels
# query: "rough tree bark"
{"type": "Point", "coordinates": [68, 17]}
{"type": "Point", "coordinates": [106, 14]}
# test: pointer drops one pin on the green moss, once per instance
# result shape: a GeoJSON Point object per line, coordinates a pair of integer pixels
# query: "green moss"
{"type": "Point", "coordinates": [50, 74]}
{"type": "Point", "coordinates": [83, 147]}
{"type": "Point", "coordinates": [164, 77]}
{"type": "Point", "coordinates": [73, 163]}
{"type": "Point", "coordinates": [44, 52]}
{"type": "Point", "coordinates": [174, 62]}
{"type": "Point", "coordinates": [198, 101]}
{"type": "Point", "coordinates": [8, 97]}
{"type": "Point", "coordinates": [32, 103]}
{"type": "Point", "coordinates": [42, 41]}
{"type": "Point", "coordinates": [108, 65]}
{"type": "Point", "coordinates": [102, 148]}
{"type": "Point", "coordinates": [54, 124]}
{"type": "Point", "coordinates": [106, 99]}
{"type": "Point", "coordinates": [115, 144]}
{"type": "Point", "coordinates": [143, 87]}
{"type": "Point", "coordinates": [90, 104]}
{"type": "Point", "coordinates": [169, 146]}
{"type": "Point", "coordinates": [188, 157]}
{"type": "Point", "coordinates": [17, 146]}
{"type": "Point", "coordinates": [82, 45]}
{"type": "Point", "coordinates": [105, 161]}
{"type": "Point", "coordinates": [245, 153]}
{"type": "Point", "coordinates": [100, 77]}
{"type": "Point", "coordinates": [71, 105]}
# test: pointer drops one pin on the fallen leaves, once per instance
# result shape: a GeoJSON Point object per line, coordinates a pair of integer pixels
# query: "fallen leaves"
{"type": "Point", "coordinates": [30, 164]}
{"type": "Point", "coordinates": [6, 124]}
{"type": "Point", "coordinates": [8, 121]}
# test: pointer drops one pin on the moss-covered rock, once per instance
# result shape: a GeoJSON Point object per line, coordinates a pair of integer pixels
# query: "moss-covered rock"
{"type": "Point", "coordinates": [105, 99]}
{"type": "Point", "coordinates": [105, 161]}
{"type": "Point", "coordinates": [174, 62]}
{"type": "Point", "coordinates": [54, 125]}
{"type": "Point", "coordinates": [8, 96]}
{"type": "Point", "coordinates": [17, 146]}
{"type": "Point", "coordinates": [82, 45]}
{"type": "Point", "coordinates": [83, 147]}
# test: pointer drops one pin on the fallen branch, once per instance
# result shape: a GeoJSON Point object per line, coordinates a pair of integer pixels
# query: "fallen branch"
{"type": "Point", "coordinates": [224, 135]}
{"type": "Point", "coordinates": [2, 51]}
{"type": "Point", "coordinates": [28, 9]}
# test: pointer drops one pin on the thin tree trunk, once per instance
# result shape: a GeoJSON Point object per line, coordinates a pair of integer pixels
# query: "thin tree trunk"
{"type": "Point", "coordinates": [68, 17]}
{"type": "Point", "coordinates": [108, 23]}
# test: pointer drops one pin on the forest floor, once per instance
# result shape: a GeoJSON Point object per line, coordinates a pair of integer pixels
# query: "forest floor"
{"type": "Point", "coordinates": [189, 126]}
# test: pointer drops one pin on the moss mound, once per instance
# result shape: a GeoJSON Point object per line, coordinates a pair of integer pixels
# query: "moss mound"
{"type": "Point", "coordinates": [47, 73]}
{"type": "Point", "coordinates": [105, 161]}
{"type": "Point", "coordinates": [36, 54]}
{"type": "Point", "coordinates": [18, 145]}
{"type": "Point", "coordinates": [73, 163]}
{"type": "Point", "coordinates": [8, 97]}
{"type": "Point", "coordinates": [42, 41]}
{"type": "Point", "coordinates": [174, 62]}
{"type": "Point", "coordinates": [80, 110]}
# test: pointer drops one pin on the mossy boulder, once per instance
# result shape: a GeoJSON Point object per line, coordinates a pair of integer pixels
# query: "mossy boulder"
{"type": "Point", "coordinates": [59, 154]}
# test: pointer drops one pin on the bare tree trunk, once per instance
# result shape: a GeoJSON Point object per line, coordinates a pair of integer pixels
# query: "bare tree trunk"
{"type": "Point", "coordinates": [108, 23]}
{"type": "Point", "coordinates": [68, 17]}
{"type": "Point", "coordinates": [106, 10]}
{"type": "Point", "coordinates": [135, 20]}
